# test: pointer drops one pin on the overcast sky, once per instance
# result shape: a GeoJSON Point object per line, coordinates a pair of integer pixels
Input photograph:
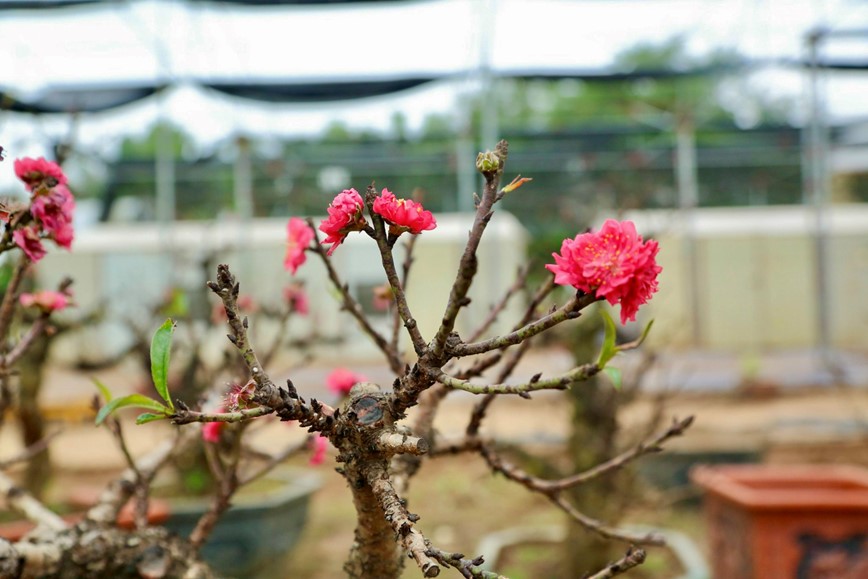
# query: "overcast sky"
{"type": "Point", "coordinates": [146, 41]}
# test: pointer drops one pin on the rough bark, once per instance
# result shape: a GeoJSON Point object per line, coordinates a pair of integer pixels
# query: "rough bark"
{"type": "Point", "coordinates": [100, 552]}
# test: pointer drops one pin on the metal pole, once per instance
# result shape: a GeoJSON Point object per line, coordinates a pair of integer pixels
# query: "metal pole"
{"type": "Point", "coordinates": [818, 191]}
{"type": "Point", "coordinates": [687, 181]}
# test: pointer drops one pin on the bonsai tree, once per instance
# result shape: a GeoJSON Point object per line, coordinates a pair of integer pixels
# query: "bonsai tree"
{"type": "Point", "coordinates": [380, 447]}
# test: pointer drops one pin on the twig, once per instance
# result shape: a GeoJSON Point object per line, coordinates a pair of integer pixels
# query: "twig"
{"type": "Point", "coordinates": [535, 383]}
{"type": "Point", "coordinates": [186, 416]}
{"type": "Point", "coordinates": [569, 311]}
{"type": "Point", "coordinates": [31, 451]}
{"type": "Point", "coordinates": [468, 568]}
{"type": "Point", "coordinates": [635, 556]}
{"type": "Point", "coordinates": [496, 309]}
{"type": "Point", "coordinates": [491, 170]}
{"type": "Point", "coordinates": [409, 247]}
{"type": "Point", "coordinates": [388, 261]}
{"type": "Point", "coordinates": [351, 306]}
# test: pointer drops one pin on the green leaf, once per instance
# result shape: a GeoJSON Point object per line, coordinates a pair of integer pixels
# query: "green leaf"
{"type": "Point", "coordinates": [103, 390]}
{"type": "Point", "coordinates": [146, 417]}
{"type": "Point", "coordinates": [137, 400]}
{"type": "Point", "coordinates": [161, 348]}
{"type": "Point", "coordinates": [609, 349]}
{"type": "Point", "coordinates": [614, 375]}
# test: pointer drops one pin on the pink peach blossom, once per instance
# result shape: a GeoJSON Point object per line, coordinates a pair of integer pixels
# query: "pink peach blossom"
{"type": "Point", "coordinates": [296, 298]}
{"type": "Point", "coordinates": [345, 216]}
{"type": "Point", "coordinates": [341, 380]}
{"type": "Point", "coordinates": [614, 263]}
{"type": "Point", "coordinates": [53, 209]}
{"type": "Point", "coordinates": [299, 236]}
{"type": "Point", "coordinates": [240, 396]}
{"type": "Point", "coordinates": [27, 238]}
{"type": "Point", "coordinates": [320, 446]}
{"type": "Point", "coordinates": [35, 172]}
{"type": "Point", "coordinates": [211, 430]}
{"type": "Point", "coordinates": [46, 300]}
{"type": "Point", "coordinates": [403, 214]}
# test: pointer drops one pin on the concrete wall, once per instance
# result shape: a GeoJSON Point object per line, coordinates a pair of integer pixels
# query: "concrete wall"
{"type": "Point", "coordinates": [757, 278]}
{"type": "Point", "coordinates": [128, 268]}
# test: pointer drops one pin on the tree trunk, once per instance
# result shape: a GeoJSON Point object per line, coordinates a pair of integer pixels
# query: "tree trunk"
{"type": "Point", "coordinates": [591, 441]}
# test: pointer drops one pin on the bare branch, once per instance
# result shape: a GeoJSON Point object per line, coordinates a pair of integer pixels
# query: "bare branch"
{"type": "Point", "coordinates": [187, 416]}
{"type": "Point", "coordinates": [467, 567]}
{"type": "Point", "coordinates": [569, 311]}
{"type": "Point", "coordinates": [22, 502]}
{"type": "Point", "coordinates": [557, 383]}
{"type": "Point", "coordinates": [409, 246]}
{"type": "Point", "coordinates": [634, 557]}
{"type": "Point", "coordinates": [388, 262]}
{"type": "Point", "coordinates": [351, 306]}
{"type": "Point", "coordinates": [467, 266]}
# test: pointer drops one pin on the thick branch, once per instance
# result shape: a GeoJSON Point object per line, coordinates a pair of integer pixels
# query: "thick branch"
{"type": "Point", "coordinates": [26, 505]}
{"type": "Point", "coordinates": [402, 522]}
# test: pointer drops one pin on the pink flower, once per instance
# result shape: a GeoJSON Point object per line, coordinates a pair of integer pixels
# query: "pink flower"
{"type": "Point", "coordinates": [46, 300]}
{"type": "Point", "coordinates": [320, 446]}
{"type": "Point", "coordinates": [403, 214]}
{"type": "Point", "coordinates": [299, 236]}
{"type": "Point", "coordinates": [341, 380]}
{"type": "Point", "coordinates": [211, 431]}
{"type": "Point", "coordinates": [53, 209]}
{"type": "Point", "coordinates": [27, 238]}
{"type": "Point", "coordinates": [614, 263]}
{"type": "Point", "coordinates": [345, 215]}
{"type": "Point", "coordinates": [36, 172]}
{"type": "Point", "coordinates": [296, 299]}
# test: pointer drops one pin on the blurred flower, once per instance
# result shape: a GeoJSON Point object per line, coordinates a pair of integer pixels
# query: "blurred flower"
{"type": "Point", "coordinates": [320, 446]}
{"type": "Point", "coordinates": [240, 396]}
{"type": "Point", "coordinates": [299, 236]}
{"type": "Point", "coordinates": [345, 215]}
{"type": "Point", "coordinates": [46, 300]}
{"type": "Point", "coordinates": [27, 238]}
{"type": "Point", "coordinates": [383, 297]}
{"type": "Point", "coordinates": [211, 430]}
{"type": "Point", "coordinates": [403, 214]}
{"type": "Point", "coordinates": [614, 263]}
{"type": "Point", "coordinates": [36, 172]}
{"type": "Point", "coordinates": [296, 298]}
{"type": "Point", "coordinates": [341, 380]}
{"type": "Point", "coordinates": [53, 208]}
{"type": "Point", "coordinates": [245, 302]}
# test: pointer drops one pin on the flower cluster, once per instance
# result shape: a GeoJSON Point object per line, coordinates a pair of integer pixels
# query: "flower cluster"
{"type": "Point", "coordinates": [613, 263]}
{"type": "Point", "coordinates": [403, 214]}
{"type": "Point", "coordinates": [51, 208]}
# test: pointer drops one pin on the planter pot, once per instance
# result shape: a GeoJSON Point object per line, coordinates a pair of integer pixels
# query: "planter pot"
{"type": "Point", "coordinates": [786, 522]}
{"type": "Point", "coordinates": [252, 538]}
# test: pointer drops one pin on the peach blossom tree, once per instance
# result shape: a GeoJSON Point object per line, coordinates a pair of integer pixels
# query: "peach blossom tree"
{"type": "Point", "coordinates": [379, 447]}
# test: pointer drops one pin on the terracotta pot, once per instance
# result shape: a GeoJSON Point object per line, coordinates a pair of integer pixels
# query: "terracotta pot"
{"type": "Point", "coordinates": [786, 522]}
